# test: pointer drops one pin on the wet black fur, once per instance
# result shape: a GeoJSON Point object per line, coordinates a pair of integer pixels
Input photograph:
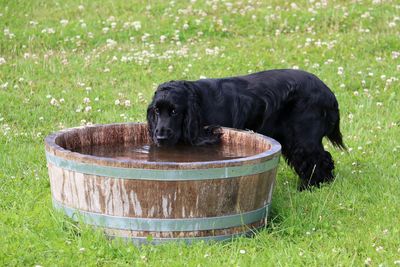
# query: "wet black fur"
{"type": "Point", "coordinates": [292, 106]}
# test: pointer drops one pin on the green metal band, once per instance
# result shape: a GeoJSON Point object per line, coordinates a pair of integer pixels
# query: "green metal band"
{"type": "Point", "coordinates": [138, 241]}
{"type": "Point", "coordinates": [164, 175]}
{"type": "Point", "coordinates": [164, 225]}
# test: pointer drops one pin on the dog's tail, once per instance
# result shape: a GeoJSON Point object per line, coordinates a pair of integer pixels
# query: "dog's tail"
{"type": "Point", "coordinates": [335, 136]}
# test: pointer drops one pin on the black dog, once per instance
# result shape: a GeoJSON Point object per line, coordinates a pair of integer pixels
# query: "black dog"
{"type": "Point", "coordinates": [294, 107]}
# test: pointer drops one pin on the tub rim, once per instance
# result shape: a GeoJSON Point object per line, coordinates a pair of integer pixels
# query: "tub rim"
{"type": "Point", "coordinates": [56, 150]}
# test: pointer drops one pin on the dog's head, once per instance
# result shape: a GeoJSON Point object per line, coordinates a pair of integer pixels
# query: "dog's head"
{"type": "Point", "coordinates": [174, 116]}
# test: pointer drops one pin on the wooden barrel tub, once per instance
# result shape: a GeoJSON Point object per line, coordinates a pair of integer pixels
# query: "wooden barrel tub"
{"type": "Point", "coordinates": [161, 201]}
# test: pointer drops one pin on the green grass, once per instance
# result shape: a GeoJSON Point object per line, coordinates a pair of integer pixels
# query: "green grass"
{"type": "Point", "coordinates": [352, 222]}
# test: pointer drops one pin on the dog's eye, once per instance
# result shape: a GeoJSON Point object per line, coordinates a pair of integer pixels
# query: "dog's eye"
{"type": "Point", "coordinates": [157, 111]}
{"type": "Point", "coordinates": [173, 112]}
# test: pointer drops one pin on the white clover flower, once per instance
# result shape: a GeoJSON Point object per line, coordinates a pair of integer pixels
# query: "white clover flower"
{"type": "Point", "coordinates": [64, 22]}
{"type": "Point", "coordinates": [81, 7]}
{"type": "Point", "coordinates": [54, 102]}
{"type": "Point", "coordinates": [86, 100]}
{"type": "Point", "coordinates": [88, 109]}
{"type": "Point", "coordinates": [162, 38]}
{"type": "Point", "coordinates": [242, 251]}
{"type": "Point", "coordinates": [48, 30]}
{"type": "Point", "coordinates": [340, 70]}
{"type": "Point", "coordinates": [137, 25]}
{"type": "Point", "coordinates": [127, 103]}
{"type": "Point", "coordinates": [2, 61]}
{"type": "Point", "coordinates": [4, 85]}
{"type": "Point", "coordinates": [117, 102]}
{"type": "Point", "coordinates": [145, 36]}
{"type": "Point", "coordinates": [170, 68]}
{"type": "Point", "coordinates": [111, 43]}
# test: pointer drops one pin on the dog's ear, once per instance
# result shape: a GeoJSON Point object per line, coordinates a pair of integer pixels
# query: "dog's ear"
{"type": "Point", "coordinates": [192, 123]}
{"type": "Point", "coordinates": [194, 132]}
{"type": "Point", "coordinates": [151, 120]}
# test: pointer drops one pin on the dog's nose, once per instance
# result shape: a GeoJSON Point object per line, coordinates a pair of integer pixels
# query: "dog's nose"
{"type": "Point", "coordinates": [163, 133]}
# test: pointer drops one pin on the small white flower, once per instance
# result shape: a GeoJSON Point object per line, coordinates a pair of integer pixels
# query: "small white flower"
{"type": "Point", "coordinates": [385, 232]}
{"type": "Point", "coordinates": [117, 102]}
{"type": "Point", "coordinates": [81, 7]}
{"type": "Point", "coordinates": [54, 102]}
{"type": "Point", "coordinates": [111, 43]}
{"type": "Point", "coordinates": [86, 100]}
{"type": "Point", "coordinates": [242, 251]}
{"type": "Point", "coordinates": [127, 103]}
{"type": "Point", "coordinates": [64, 22]}
{"type": "Point", "coordinates": [2, 61]}
{"type": "Point", "coordinates": [4, 85]}
{"type": "Point", "coordinates": [137, 25]}
{"type": "Point", "coordinates": [340, 71]}
{"type": "Point", "coordinates": [170, 68]}
{"type": "Point", "coordinates": [368, 261]}
{"type": "Point", "coordinates": [88, 109]}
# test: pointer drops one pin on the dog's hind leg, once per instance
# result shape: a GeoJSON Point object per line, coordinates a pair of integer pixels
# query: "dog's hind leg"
{"type": "Point", "coordinates": [303, 149]}
{"type": "Point", "coordinates": [314, 165]}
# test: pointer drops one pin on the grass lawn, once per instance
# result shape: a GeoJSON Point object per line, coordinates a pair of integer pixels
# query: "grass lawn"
{"type": "Point", "coordinates": [76, 62]}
